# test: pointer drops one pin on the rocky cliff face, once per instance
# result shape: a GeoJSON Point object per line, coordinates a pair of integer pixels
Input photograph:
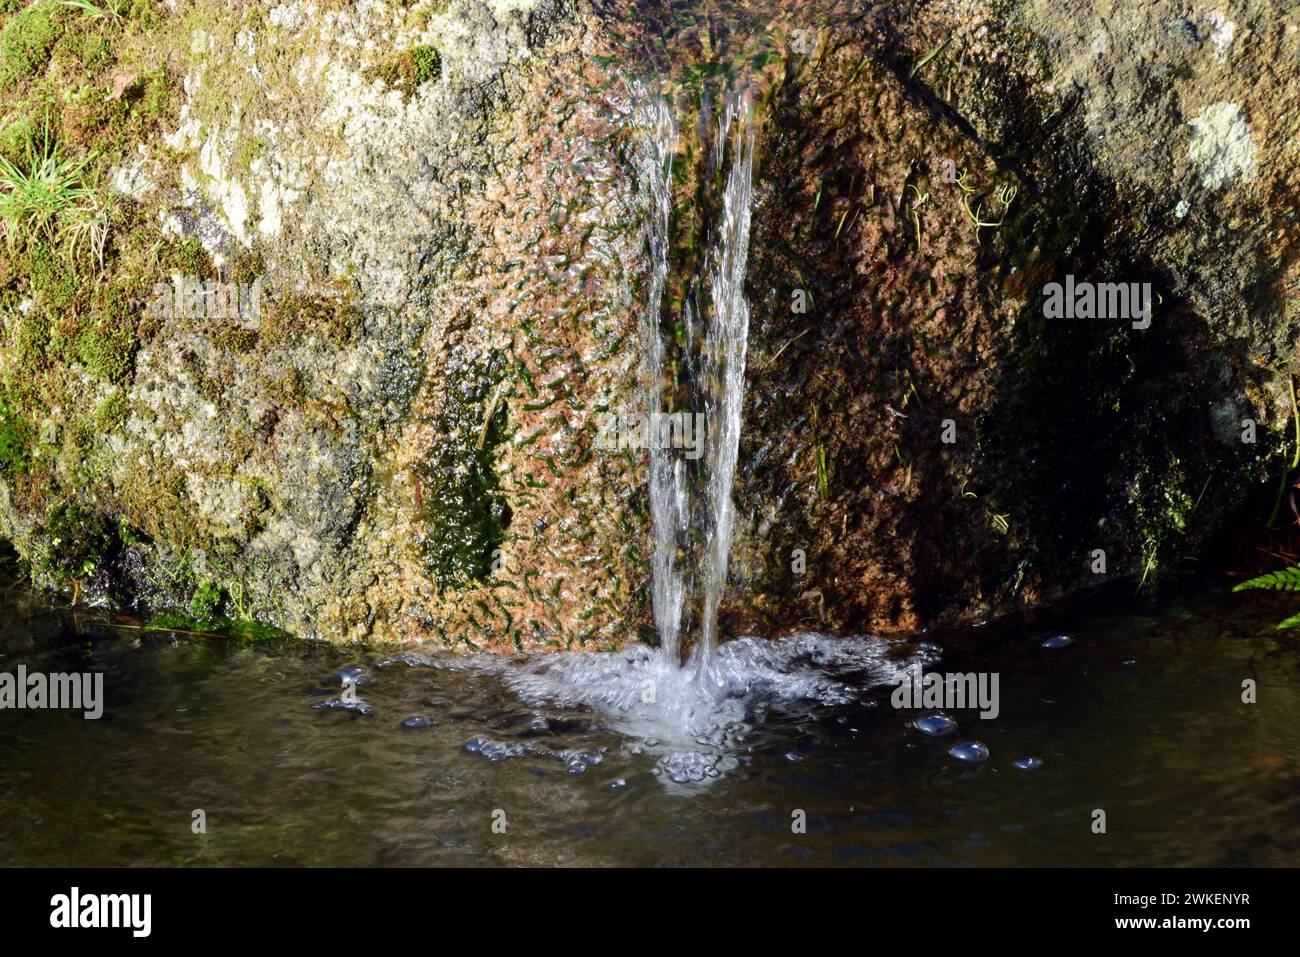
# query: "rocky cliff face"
{"type": "Point", "coordinates": [430, 215]}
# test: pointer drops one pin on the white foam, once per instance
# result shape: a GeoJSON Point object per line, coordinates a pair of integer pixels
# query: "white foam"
{"type": "Point", "coordinates": [696, 720]}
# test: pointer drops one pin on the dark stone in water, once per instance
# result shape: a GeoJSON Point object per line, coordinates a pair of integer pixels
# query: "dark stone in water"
{"type": "Point", "coordinates": [416, 721]}
{"type": "Point", "coordinates": [1028, 764]}
{"type": "Point", "coordinates": [972, 751]}
{"type": "Point", "coordinates": [1057, 641]}
{"type": "Point", "coordinates": [475, 745]}
{"type": "Point", "coordinates": [935, 725]}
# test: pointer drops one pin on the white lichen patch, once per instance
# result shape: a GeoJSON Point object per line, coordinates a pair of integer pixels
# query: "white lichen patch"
{"type": "Point", "coordinates": [1221, 149]}
{"type": "Point", "coordinates": [1221, 33]}
{"type": "Point", "coordinates": [130, 179]}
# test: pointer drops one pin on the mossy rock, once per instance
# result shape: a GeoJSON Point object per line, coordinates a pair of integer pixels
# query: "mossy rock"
{"type": "Point", "coordinates": [77, 540]}
{"type": "Point", "coordinates": [406, 71]}
{"type": "Point", "coordinates": [27, 40]}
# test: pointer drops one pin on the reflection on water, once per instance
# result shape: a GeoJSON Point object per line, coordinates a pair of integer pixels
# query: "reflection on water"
{"type": "Point", "coordinates": [1139, 715]}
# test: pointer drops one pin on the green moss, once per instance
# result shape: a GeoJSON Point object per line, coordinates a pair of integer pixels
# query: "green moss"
{"type": "Point", "coordinates": [249, 150]}
{"type": "Point", "coordinates": [427, 63]}
{"type": "Point", "coordinates": [144, 14]}
{"type": "Point", "coordinates": [95, 52]}
{"type": "Point", "coordinates": [76, 541]}
{"type": "Point", "coordinates": [106, 339]}
{"type": "Point", "coordinates": [207, 601]}
{"type": "Point", "coordinates": [107, 350]}
{"type": "Point", "coordinates": [293, 318]}
{"type": "Point", "coordinates": [1163, 516]}
{"type": "Point", "coordinates": [33, 341]}
{"type": "Point", "coordinates": [28, 38]}
{"type": "Point", "coordinates": [13, 140]}
{"type": "Point", "coordinates": [111, 412]}
{"type": "Point", "coordinates": [13, 440]}
{"type": "Point", "coordinates": [219, 627]}
{"type": "Point", "coordinates": [186, 256]}
{"type": "Point", "coordinates": [405, 71]}
{"type": "Point", "coordinates": [53, 282]}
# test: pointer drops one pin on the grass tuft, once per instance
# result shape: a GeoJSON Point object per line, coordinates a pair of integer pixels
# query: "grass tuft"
{"type": "Point", "coordinates": [46, 196]}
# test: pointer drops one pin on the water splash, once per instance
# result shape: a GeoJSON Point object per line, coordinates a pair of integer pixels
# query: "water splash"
{"type": "Point", "coordinates": [696, 728]}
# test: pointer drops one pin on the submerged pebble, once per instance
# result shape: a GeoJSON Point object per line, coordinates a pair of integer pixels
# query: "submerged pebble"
{"type": "Point", "coordinates": [1056, 641]}
{"type": "Point", "coordinates": [935, 725]}
{"type": "Point", "coordinates": [1028, 764]}
{"type": "Point", "coordinates": [972, 751]}
{"type": "Point", "coordinates": [415, 721]}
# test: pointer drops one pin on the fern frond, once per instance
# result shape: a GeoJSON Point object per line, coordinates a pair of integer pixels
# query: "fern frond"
{"type": "Point", "coordinates": [1292, 622]}
{"type": "Point", "coordinates": [1286, 580]}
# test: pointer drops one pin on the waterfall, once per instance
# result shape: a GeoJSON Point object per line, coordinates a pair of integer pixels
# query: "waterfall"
{"type": "Point", "coordinates": [669, 495]}
{"type": "Point", "coordinates": [720, 371]}
{"type": "Point", "coordinates": [725, 350]}
{"type": "Point", "coordinates": [695, 719]}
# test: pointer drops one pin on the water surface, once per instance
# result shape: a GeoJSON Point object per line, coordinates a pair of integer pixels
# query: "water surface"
{"type": "Point", "coordinates": [1139, 715]}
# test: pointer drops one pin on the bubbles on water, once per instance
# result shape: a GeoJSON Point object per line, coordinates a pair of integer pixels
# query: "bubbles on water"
{"type": "Point", "coordinates": [694, 719]}
{"type": "Point", "coordinates": [494, 750]}
{"type": "Point", "coordinates": [1056, 641]}
{"type": "Point", "coordinates": [574, 761]}
{"type": "Point", "coordinates": [935, 725]}
{"type": "Point", "coordinates": [417, 721]}
{"type": "Point", "coordinates": [355, 705]}
{"type": "Point", "coordinates": [350, 677]}
{"type": "Point", "coordinates": [1028, 763]}
{"type": "Point", "coordinates": [970, 751]}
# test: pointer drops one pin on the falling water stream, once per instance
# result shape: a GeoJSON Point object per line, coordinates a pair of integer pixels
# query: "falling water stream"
{"type": "Point", "coordinates": [669, 505]}
{"type": "Point", "coordinates": [725, 347]}
{"type": "Point", "coordinates": [695, 716]}
{"type": "Point", "coordinates": [720, 371]}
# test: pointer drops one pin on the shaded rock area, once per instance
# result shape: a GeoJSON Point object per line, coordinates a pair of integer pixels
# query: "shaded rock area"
{"type": "Point", "coordinates": [431, 211]}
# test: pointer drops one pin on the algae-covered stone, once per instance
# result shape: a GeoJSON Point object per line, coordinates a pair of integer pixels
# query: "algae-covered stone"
{"type": "Point", "coordinates": [395, 437]}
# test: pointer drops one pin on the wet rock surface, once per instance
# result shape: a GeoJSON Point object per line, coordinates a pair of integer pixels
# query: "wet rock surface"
{"type": "Point", "coordinates": [402, 447]}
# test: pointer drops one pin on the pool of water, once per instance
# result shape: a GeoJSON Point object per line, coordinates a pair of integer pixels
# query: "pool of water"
{"type": "Point", "coordinates": [1140, 715]}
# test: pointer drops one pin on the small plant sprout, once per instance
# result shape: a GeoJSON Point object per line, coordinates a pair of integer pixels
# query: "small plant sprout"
{"type": "Point", "coordinates": [111, 10]}
{"type": "Point", "coordinates": [49, 196]}
{"type": "Point", "coordinates": [1005, 195]}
